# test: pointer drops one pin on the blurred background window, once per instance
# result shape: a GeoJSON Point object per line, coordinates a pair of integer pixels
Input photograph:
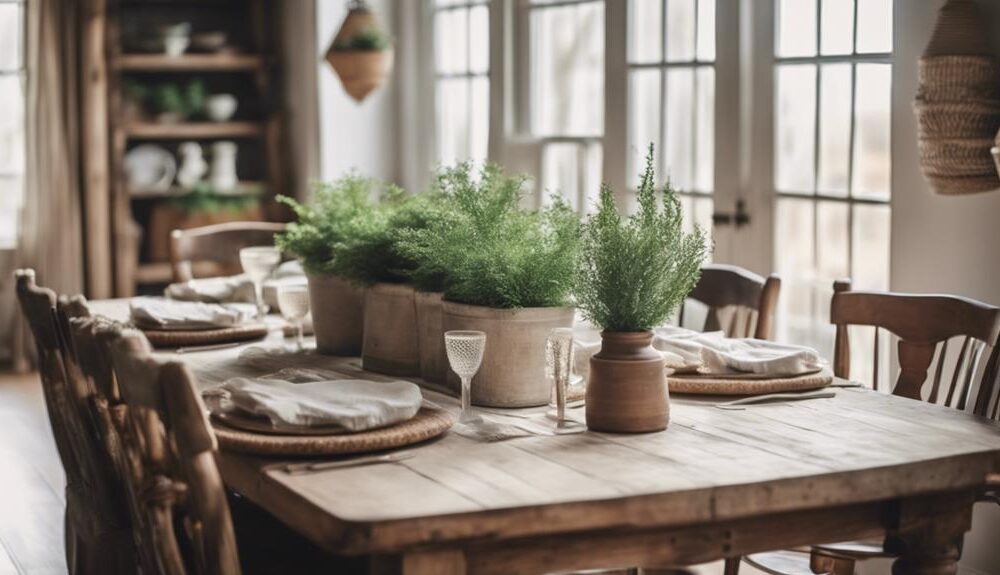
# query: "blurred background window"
{"type": "Point", "coordinates": [12, 100]}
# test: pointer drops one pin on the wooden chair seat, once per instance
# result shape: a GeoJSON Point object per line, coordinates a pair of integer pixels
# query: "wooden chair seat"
{"type": "Point", "coordinates": [794, 562]}
{"type": "Point", "coordinates": [858, 550]}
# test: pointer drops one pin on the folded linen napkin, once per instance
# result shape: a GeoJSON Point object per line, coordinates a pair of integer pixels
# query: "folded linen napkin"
{"type": "Point", "coordinates": [293, 397]}
{"type": "Point", "coordinates": [213, 290]}
{"type": "Point", "coordinates": [157, 313]}
{"type": "Point", "coordinates": [711, 353]}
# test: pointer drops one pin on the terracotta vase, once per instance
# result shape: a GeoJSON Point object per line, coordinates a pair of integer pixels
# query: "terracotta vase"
{"type": "Point", "coordinates": [390, 339]}
{"type": "Point", "coordinates": [513, 370]}
{"type": "Point", "coordinates": [627, 387]}
{"type": "Point", "coordinates": [338, 314]}
{"type": "Point", "coordinates": [430, 333]}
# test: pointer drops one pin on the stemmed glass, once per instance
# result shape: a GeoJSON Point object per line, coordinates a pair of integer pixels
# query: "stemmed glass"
{"type": "Point", "coordinates": [465, 354]}
{"type": "Point", "coordinates": [293, 301]}
{"type": "Point", "coordinates": [258, 263]}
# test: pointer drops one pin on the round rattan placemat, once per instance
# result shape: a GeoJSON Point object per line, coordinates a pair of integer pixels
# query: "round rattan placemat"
{"type": "Point", "coordinates": [709, 385]}
{"type": "Point", "coordinates": [178, 338]}
{"type": "Point", "coordinates": [429, 422]}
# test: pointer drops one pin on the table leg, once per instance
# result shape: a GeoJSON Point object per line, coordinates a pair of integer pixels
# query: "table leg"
{"type": "Point", "coordinates": [929, 532]}
{"type": "Point", "coordinates": [924, 559]}
{"type": "Point", "coordinates": [442, 562]}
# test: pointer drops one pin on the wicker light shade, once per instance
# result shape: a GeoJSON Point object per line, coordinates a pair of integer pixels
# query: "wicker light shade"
{"type": "Point", "coordinates": [958, 103]}
{"type": "Point", "coordinates": [360, 71]}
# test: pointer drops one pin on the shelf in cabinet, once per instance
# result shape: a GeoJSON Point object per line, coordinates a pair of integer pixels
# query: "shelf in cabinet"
{"type": "Point", "coordinates": [188, 62]}
{"type": "Point", "coordinates": [193, 130]}
{"type": "Point", "coordinates": [162, 273]}
{"type": "Point", "coordinates": [244, 188]}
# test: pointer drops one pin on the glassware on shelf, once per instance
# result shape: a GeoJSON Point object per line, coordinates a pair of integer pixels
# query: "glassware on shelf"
{"type": "Point", "coordinates": [259, 262]}
{"type": "Point", "coordinates": [465, 355]}
{"type": "Point", "coordinates": [293, 302]}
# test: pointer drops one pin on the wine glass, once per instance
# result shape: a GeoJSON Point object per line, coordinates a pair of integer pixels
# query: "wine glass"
{"type": "Point", "coordinates": [258, 263]}
{"type": "Point", "coordinates": [465, 354]}
{"type": "Point", "coordinates": [293, 302]}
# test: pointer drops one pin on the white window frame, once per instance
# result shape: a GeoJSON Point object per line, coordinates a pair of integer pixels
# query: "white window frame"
{"type": "Point", "coordinates": [21, 73]}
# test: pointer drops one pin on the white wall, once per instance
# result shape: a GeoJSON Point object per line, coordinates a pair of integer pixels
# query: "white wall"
{"type": "Point", "coordinates": [941, 244]}
{"type": "Point", "coordinates": [354, 135]}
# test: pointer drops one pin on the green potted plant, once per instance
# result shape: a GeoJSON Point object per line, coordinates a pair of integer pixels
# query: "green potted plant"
{"type": "Point", "coordinates": [634, 271]}
{"type": "Point", "coordinates": [508, 272]}
{"type": "Point", "coordinates": [333, 216]}
{"type": "Point", "coordinates": [372, 257]}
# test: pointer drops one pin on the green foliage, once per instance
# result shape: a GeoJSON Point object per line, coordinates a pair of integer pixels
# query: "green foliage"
{"type": "Point", "coordinates": [489, 251]}
{"type": "Point", "coordinates": [170, 97]}
{"type": "Point", "coordinates": [635, 271]}
{"type": "Point", "coordinates": [202, 198]}
{"type": "Point", "coordinates": [339, 213]}
{"type": "Point", "coordinates": [365, 40]}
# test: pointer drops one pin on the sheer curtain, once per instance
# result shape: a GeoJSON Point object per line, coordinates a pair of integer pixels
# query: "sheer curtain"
{"type": "Point", "coordinates": [51, 236]}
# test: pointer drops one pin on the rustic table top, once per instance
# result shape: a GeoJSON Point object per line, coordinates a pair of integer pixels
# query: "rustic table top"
{"type": "Point", "coordinates": [710, 465]}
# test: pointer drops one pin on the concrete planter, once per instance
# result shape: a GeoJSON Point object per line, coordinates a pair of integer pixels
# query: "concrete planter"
{"type": "Point", "coordinates": [627, 386]}
{"type": "Point", "coordinates": [513, 369]}
{"type": "Point", "coordinates": [391, 345]}
{"type": "Point", "coordinates": [430, 333]}
{"type": "Point", "coordinates": [338, 314]}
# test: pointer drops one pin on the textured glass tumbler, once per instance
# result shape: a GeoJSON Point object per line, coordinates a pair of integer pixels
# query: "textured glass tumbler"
{"type": "Point", "coordinates": [559, 367]}
{"type": "Point", "coordinates": [465, 355]}
{"type": "Point", "coordinates": [293, 301]}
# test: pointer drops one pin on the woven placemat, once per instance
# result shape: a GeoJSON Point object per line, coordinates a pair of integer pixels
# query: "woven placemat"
{"type": "Point", "coordinates": [709, 385]}
{"type": "Point", "coordinates": [178, 338]}
{"type": "Point", "coordinates": [429, 422]}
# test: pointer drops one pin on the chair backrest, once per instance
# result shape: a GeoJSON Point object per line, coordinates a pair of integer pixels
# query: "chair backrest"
{"type": "Point", "coordinates": [748, 300]}
{"type": "Point", "coordinates": [38, 305]}
{"type": "Point", "coordinates": [181, 500]}
{"type": "Point", "coordinates": [219, 243]}
{"type": "Point", "coordinates": [925, 324]}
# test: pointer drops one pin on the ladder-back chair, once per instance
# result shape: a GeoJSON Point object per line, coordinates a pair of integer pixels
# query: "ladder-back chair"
{"type": "Point", "coordinates": [740, 302]}
{"type": "Point", "coordinates": [217, 243]}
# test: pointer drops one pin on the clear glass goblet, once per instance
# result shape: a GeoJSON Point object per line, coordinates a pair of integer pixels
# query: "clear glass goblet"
{"type": "Point", "coordinates": [559, 372]}
{"type": "Point", "coordinates": [293, 302]}
{"type": "Point", "coordinates": [259, 262]}
{"type": "Point", "coordinates": [465, 354]}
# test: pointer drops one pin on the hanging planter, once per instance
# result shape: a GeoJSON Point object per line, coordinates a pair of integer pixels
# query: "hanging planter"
{"type": "Point", "coordinates": [361, 53]}
{"type": "Point", "coordinates": [958, 103]}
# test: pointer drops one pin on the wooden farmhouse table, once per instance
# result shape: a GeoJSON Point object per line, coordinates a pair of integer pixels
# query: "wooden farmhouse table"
{"type": "Point", "coordinates": [716, 483]}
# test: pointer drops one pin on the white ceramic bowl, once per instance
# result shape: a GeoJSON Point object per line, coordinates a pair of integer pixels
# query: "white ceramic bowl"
{"type": "Point", "coordinates": [221, 107]}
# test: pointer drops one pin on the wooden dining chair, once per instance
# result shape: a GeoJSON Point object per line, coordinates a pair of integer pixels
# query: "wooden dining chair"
{"type": "Point", "coordinates": [97, 532]}
{"type": "Point", "coordinates": [181, 512]}
{"type": "Point", "coordinates": [925, 327]}
{"type": "Point", "coordinates": [740, 302]}
{"type": "Point", "coordinates": [219, 244]}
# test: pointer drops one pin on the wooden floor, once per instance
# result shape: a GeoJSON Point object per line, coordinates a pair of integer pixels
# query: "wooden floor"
{"type": "Point", "coordinates": [31, 482]}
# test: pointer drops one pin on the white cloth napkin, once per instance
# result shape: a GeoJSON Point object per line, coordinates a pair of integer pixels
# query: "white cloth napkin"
{"type": "Point", "coordinates": [294, 397]}
{"type": "Point", "coordinates": [711, 353]}
{"type": "Point", "coordinates": [160, 313]}
{"type": "Point", "coordinates": [213, 290]}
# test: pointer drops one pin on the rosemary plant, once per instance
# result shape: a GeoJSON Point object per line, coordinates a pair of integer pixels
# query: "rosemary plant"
{"type": "Point", "coordinates": [634, 271]}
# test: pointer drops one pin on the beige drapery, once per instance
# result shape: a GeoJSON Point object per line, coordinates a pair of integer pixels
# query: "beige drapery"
{"type": "Point", "coordinates": [51, 237]}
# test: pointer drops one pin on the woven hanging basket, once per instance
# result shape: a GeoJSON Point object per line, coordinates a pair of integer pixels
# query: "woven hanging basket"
{"type": "Point", "coordinates": [958, 103]}
{"type": "Point", "coordinates": [360, 71]}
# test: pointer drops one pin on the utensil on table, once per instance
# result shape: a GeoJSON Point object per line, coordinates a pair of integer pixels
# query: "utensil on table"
{"type": "Point", "coordinates": [300, 468]}
{"type": "Point", "coordinates": [774, 398]}
{"type": "Point", "coordinates": [293, 302]}
{"type": "Point", "coordinates": [212, 347]}
{"type": "Point", "coordinates": [465, 354]}
{"type": "Point", "coordinates": [259, 262]}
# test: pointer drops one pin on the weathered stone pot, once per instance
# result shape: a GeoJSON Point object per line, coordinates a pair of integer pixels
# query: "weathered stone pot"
{"type": "Point", "coordinates": [390, 345]}
{"type": "Point", "coordinates": [513, 370]}
{"type": "Point", "coordinates": [627, 386]}
{"type": "Point", "coordinates": [338, 314]}
{"type": "Point", "coordinates": [430, 334]}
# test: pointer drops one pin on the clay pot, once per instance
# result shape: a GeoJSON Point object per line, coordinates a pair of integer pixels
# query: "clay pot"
{"type": "Point", "coordinates": [430, 334]}
{"type": "Point", "coordinates": [390, 339]}
{"type": "Point", "coordinates": [513, 370]}
{"type": "Point", "coordinates": [627, 387]}
{"type": "Point", "coordinates": [338, 314]}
